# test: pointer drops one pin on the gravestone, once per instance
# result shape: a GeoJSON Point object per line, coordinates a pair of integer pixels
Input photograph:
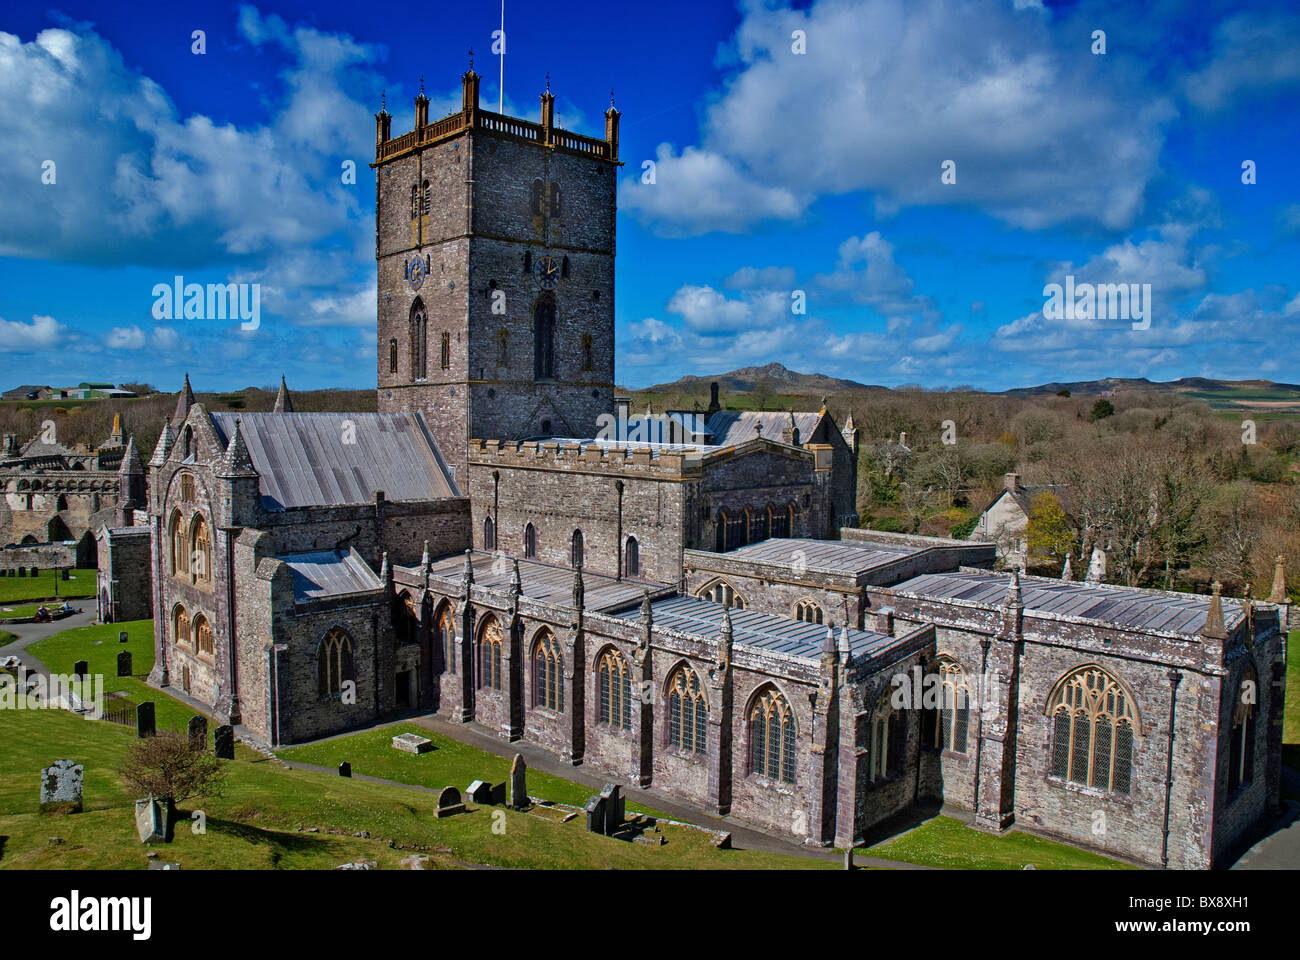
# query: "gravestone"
{"type": "Point", "coordinates": [412, 743]}
{"type": "Point", "coordinates": [223, 739]}
{"type": "Point", "coordinates": [198, 732]}
{"type": "Point", "coordinates": [498, 794]}
{"type": "Point", "coordinates": [124, 663]}
{"type": "Point", "coordinates": [595, 810]}
{"type": "Point", "coordinates": [480, 792]}
{"type": "Point", "coordinates": [36, 571]}
{"type": "Point", "coordinates": [151, 820]}
{"type": "Point", "coordinates": [66, 572]}
{"type": "Point", "coordinates": [22, 571]}
{"type": "Point", "coordinates": [449, 803]}
{"type": "Point", "coordinates": [121, 636]}
{"type": "Point", "coordinates": [163, 865]}
{"type": "Point", "coordinates": [614, 808]}
{"type": "Point", "coordinates": [345, 769]}
{"type": "Point", "coordinates": [81, 669]}
{"type": "Point", "coordinates": [61, 787]}
{"type": "Point", "coordinates": [518, 782]}
{"type": "Point", "coordinates": [144, 724]}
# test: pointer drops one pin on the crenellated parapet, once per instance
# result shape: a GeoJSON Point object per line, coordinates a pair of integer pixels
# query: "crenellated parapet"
{"type": "Point", "coordinates": [592, 457]}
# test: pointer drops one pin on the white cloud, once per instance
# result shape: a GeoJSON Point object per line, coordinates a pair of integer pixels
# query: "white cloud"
{"type": "Point", "coordinates": [124, 338]}
{"type": "Point", "coordinates": [1253, 53]}
{"type": "Point", "coordinates": [705, 310]}
{"type": "Point", "coordinates": [18, 337]}
{"type": "Point", "coordinates": [164, 338]}
{"type": "Point", "coordinates": [761, 278]}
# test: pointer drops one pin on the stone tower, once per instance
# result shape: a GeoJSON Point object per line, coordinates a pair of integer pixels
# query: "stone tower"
{"type": "Point", "coordinates": [495, 250]}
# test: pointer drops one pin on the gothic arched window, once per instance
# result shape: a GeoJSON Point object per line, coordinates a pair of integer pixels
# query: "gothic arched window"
{"type": "Point", "coordinates": [771, 737]}
{"type": "Point", "coordinates": [415, 201]}
{"type": "Point", "coordinates": [808, 611]}
{"type": "Point", "coordinates": [632, 558]}
{"type": "Point", "coordinates": [564, 268]}
{"type": "Point", "coordinates": [1241, 742]}
{"type": "Point", "coordinates": [544, 337]}
{"type": "Point", "coordinates": [615, 690]}
{"type": "Point", "coordinates": [419, 341]}
{"type": "Point", "coordinates": [201, 550]}
{"type": "Point", "coordinates": [575, 549]}
{"type": "Point", "coordinates": [490, 643]}
{"type": "Point", "coordinates": [445, 355]}
{"type": "Point", "coordinates": [688, 712]}
{"type": "Point", "coordinates": [1093, 724]}
{"type": "Point", "coordinates": [489, 534]}
{"type": "Point", "coordinates": [885, 754]}
{"type": "Point", "coordinates": [953, 725]}
{"type": "Point", "coordinates": [446, 627]}
{"type": "Point", "coordinates": [778, 522]}
{"type": "Point", "coordinates": [528, 261]}
{"type": "Point", "coordinates": [188, 488]}
{"type": "Point", "coordinates": [548, 673]}
{"type": "Point", "coordinates": [334, 662]}
{"type": "Point", "coordinates": [719, 591]}
{"type": "Point", "coordinates": [427, 207]}
{"type": "Point", "coordinates": [202, 636]}
{"type": "Point", "coordinates": [530, 542]}
{"type": "Point", "coordinates": [180, 626]}
{"type": "Point", "coordinates": [537, 197]}
{"type": "Point", "coordinates": [180, 545]}
{"type": "Point", "coordinates": [392, 355]}
{"type": "Point", "coordinates": [553, 206]}
{"type": "Point", "coordinates": [756, 524]}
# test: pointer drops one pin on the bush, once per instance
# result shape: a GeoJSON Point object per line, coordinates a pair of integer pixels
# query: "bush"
{"type": "Point", "coordinates": [889, 525]}
{"type": "Point", "coordinates": [963, 528]}
{"type": "Point", "coordinates": [169, 768]}
{"type": "Point", "coordinates": [1102, 409]}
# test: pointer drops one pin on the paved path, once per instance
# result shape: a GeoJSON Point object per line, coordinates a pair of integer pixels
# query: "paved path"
{"type": "Point", "coordinates": [29, 633]}
{"type": "Point", "coordinates": [1280, 850]}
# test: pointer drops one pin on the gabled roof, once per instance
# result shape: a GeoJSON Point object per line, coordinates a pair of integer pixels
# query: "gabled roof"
{"type": "Point", "coordinates": [731, 428]}
{"type": "Point", "coordinates": [331, 459]}
{"type": "Point", "coordinates": [329, 573]}
{"type": "Point", "coordinates": [538, 581]}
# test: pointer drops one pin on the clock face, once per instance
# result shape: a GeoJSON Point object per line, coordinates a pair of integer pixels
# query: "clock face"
{"type": "Point", "coordinates": [547, 272]}
{"type": "Point", "coordinates": [415, 274]}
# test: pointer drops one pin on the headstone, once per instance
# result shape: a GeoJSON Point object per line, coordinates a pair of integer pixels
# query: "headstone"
{"type": "Point", "coordinates": [198, 732]}
{"type": "Point", "coordinates": [345, 769]}
{"type": "Point", "coordinates": [449, 803]}
{"type": "Point", "coordinates": [81, 669]}
{"type": "Point", "coordinates": [121, 636]}
{"type": "Point", "coordinates": [61, 787]}
{"type": "Point", "coordinates": [519, 782]}
{"type": "Point", "coordinates": [163, 865]}
{"type": "Point", "coordinates": [65, 571]}
{"type": "Point", "coordinates": [144, 724]}
{"type": "Point", "coordinates": [412, 743]}
{"type": "Point", "coordinates": [124, 663]}
{"type": "Point", "coordinates": [595, 810]}
{"type": "Point", "coordinates": [22, 571]}
{"type": "Point", "coordinates": [223, 739]}
{"type": "Point", "coordinates": [498, 794]}
{"type": "Point", "coordinates": [36, 571]}
{"type": "Point", "coordinates": [613, 798]}
{"type": "Point", "coordinates": [479, 792]}
{"type": "Point", "coordinates": [151, 818]}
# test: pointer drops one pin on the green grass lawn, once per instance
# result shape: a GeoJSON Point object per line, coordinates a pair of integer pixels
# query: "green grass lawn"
{"type": "Point", "coordinates": [945, 842]}
{"type": "Point", "coordinates": [7, 638]}
{"type": "Point", "coordinates": [452, 764]}
{"type": "Point", "coordinates": [97, 644]}
{"type": "Point", "coordinates": [81, 583]}
{"type": "Point", "coordinates": [262, 820]}
{"type": "Point", "coordinates": [1291, 717]}
{"type": "Point", "coordinates": [9, 611]}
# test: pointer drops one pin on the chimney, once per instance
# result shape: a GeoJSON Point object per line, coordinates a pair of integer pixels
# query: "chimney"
{"type": "Point", "coordinates": [1011, 481]}
{"type": "Point", "coordinates": [714, 406]}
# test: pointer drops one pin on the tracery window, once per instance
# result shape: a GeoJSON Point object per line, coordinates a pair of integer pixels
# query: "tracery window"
{"type": "Point", "coordinates": [446, 626]}
{"type": "Point", "coordinates": [808, 611]}
{"type": "Point", "coordinates": [445, 356]}
{"type": "Point", "coordinates": [180, 546]}
{"type": "Point", "coordinates": [1241, 742]}
{"type": "Point", "coordinates": [719, 591]}
{"type": "Point", "coordinates": [772, 737]}
{"type": "Point", "coordinates": [778, 522]}
{"type": "Point", "coordinates": [731, 530]}
{"type": "Point", "coordinates": [548, 673]}
{"type": "Point", "coordinates": [688, 712]}
{"type": "Point", "coordinates": [188, 488]}
{"type": "Point", "coordinates": [1093, 724]}
{"type": "Point", "coordinates": [201, 550]}
{"type": "Point", "coordinates": [419, 341]}
{"type": "Point", "coordinates": [885, 755]}
{"type": "Point", "coordinates": [757, 524]}
{"type": "Point", "coordinates": [181, 627]}
{"type": "Point", "coordinates": [334, 666]}
{"type": "Point", "coordinates": [615, 690]}
{"type": "Point", "coordinates": [490, 643]}
{"type": "Point", "coordinates": [202, 636]}
{"type": "Point", "coordinates": [953, 728]}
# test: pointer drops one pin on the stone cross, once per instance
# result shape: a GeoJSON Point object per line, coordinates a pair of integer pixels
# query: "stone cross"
{"type": "Point", "coordinates": [223, 740]}
{"type": "Point", "coordinates": [518, 782]}
{"type": "Point", "coordinates": [61, 785]}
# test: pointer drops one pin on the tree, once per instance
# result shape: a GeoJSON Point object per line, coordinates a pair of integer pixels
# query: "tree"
{"type": "Point", "coordinates": [1048, 531]}
{"type": "Point", "coordinates": [1102, 409]}
{"type": "Point", "coordinates": [171, 769]}
{"type": "Point", "coordinates": [1238, 520]}
{"type": "Point", "coordinates": [1182, 490]}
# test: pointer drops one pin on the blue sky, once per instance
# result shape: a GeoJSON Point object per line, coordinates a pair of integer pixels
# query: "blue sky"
{"type": "Point", "coordinates": [775, 171]}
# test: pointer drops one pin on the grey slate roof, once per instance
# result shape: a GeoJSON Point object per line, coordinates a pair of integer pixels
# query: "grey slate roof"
{"type": "Point", "coordinates": [329, 573]}
{"type": "Point", "coordinates": [1129, 607]}
{"type": "Point", "coordinates": [731, 428]}
{"type": "Point", "coordinates": [835, 556]}
{"type": "Point", "coordinates": [541, 581]}
{"type": "Point", "coordinates": [749, 628]}
{"type": "Point", "coordinates": [303, 461]}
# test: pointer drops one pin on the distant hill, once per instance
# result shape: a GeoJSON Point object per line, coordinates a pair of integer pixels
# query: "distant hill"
{"type": "Point", "coordinates": [1217, 393]}
{"type": "Point", "coordinates": [774, 376]}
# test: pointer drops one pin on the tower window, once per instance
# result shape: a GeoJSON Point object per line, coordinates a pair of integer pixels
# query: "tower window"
{"type": "Point", "coordinates": [632, 558]}
{"type": "Point", "coordinates": [528, 261]}
{"type": "Point", "coordinates": [544, 338]}
{"type": "Point", "coordinates": [530, 542]}
{"type": "Point", "coordinates": [392, 355]}
{"type": "Point", "coordinates": [446, 350]}
{"type": "Point", "coordinates": [428, 200]}
{"type": "Point", "coordinates": [553, 207]}
{"type": "Point", "coordinates": [564, 268]}
{"type": "Point", "coordinates": [415, 201]}
{"type": "Point", "coordinates": [586, 351]}
{"type": "Point", "coordinates": [419, 341]}
{"type": "Point", "coordinates": [538, 188]}
{"type": "Point", "coordinates": [503, 348]}
{"type": "Point", "coordinates": [575, 549]}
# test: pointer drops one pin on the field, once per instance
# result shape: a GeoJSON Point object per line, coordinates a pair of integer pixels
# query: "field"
{"type": "Point", "coordinates": [81, 583]}
{"type": "Point", "coordinates": [945, 842]}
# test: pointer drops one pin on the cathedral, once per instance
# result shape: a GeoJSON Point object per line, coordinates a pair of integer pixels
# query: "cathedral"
{"type": "Point", "coordinates": [684, 602]}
